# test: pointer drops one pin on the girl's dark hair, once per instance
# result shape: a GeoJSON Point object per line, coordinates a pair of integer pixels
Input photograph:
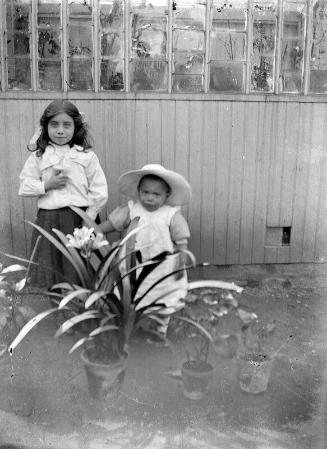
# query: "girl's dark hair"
{"type": "Point", "coordinates": [154, 178]}
{"type": "Point", "coordinates": [80, 137]}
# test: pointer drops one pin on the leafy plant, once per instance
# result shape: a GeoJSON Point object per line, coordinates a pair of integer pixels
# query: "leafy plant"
{"type": "Point", "coordinates": [106, 298]}
{"type": "Point", "coordinates": [13, 314]}
{"type": "Point", "coordinates": [255, 335]}
{"type": "Point", "coordinates": [208, 303]}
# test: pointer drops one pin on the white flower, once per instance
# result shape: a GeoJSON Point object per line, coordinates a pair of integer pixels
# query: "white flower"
{"type": "Point", "coordinates": [85, 240]}
{"type": "Point", "coordinates": [99, 241]}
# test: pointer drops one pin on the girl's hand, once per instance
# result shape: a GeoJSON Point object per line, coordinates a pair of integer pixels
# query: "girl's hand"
{"type": "Point", "coordinates": [57, 181]}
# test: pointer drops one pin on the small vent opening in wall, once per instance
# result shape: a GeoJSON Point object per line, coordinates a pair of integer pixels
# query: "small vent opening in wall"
{"type": "Point", "coordinates": [286, 236]}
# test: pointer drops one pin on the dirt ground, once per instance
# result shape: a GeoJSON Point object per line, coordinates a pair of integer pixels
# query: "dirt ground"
{"type": "Point", "coordinates": [44, 401]}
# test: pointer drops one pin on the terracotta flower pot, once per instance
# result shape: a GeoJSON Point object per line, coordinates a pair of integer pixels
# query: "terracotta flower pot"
{"type": "Point", "coordinates": [104, 379]}
{"type": "Point", "coordinates": [254, 372]}
{"type": "Point", "coordinates": [196, 376]}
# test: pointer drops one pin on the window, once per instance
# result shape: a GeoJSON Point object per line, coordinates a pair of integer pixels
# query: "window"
{"type": "Point", "coordinates": [191, 46]}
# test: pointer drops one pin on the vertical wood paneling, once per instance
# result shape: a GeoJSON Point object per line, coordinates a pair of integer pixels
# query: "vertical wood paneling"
{"type": "Point", "coordinates": [141, 134]}
{"type": "Point", "coordinates": [261, 182]}
{"type": "Point", "coordinates": [16, 141]}
{"type": "Point", "coordinates": [210, 144]}
{"type": "Point", "coordinates": [195, 173]}
{"type": "Point", "coordinates": [301, 182]}
{"type": "Point", "coordinates": [321, 229]}
{"type": "Point", "coordinates": [277, 150]}
{"type": "Point", "coordinates": [235, 184]}
{"type": "Point", "coordinates": [223, 152]}
{"type": "Point", "coordinates": [154, 131]}
{"type": "Point", "coordinates": [168, 132]}
{"type": "Point", "coordinates": [181, 164]}
{"type": "Point", "coordinates": [315, 161]}
{"type": "Point", "coordinates": [248, 182]}
{"type": "Point", "coordinates": [5, 219]}
{"type": "Point", "coordinates": [250, 164]}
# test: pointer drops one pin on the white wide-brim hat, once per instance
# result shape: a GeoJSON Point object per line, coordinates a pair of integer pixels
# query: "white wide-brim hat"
{"type": "Point", "coordinates": [180, 188]}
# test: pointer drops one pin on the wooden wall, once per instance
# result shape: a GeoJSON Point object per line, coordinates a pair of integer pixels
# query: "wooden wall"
{"type": "Point", "coordinates": [255, 166]}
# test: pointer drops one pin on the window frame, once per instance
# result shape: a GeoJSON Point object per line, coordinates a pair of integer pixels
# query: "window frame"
{"type": "Point", "coordinates": [126, 93]}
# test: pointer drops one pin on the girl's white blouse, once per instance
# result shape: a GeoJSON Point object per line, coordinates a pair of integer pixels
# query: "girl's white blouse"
{"type": "Point", "coordinates": [87, 186]}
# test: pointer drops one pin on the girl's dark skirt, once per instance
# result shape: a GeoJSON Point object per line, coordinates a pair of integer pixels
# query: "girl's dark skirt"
{"type": "Point", "coordinates": [53, 267]}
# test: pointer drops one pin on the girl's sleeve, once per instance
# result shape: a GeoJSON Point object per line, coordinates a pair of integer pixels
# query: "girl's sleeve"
{"type": "Point", "coordinates": [97, 187]}
{"type": "Point", "coordinates": [179, 230]}
{"type": "Point", "coordinates": [120, 218]}
{"type": "Point", "coordinates": [30, 179]}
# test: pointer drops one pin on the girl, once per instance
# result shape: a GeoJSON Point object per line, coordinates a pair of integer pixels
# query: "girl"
{"type": "Point", "coordinates": [156, 195]}
{"type": "Point", "coordinates": [62, 171]}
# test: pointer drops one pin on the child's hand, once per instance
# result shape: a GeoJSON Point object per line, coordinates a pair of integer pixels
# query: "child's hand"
{"type": "Point", "coordinates": [57, 181]}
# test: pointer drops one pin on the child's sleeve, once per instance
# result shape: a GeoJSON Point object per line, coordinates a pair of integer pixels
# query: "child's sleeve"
{"type": "Point", "coordinates": [97, 188]}
{"type": "Point", "coordinates": [120, 218]}
{"type": "Point", "coordinates": [30, 179]}
{"type": "Point", "coordinates": [179, 229]}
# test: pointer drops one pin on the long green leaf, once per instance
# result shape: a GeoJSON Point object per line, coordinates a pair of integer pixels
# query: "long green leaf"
{"type": "Point", "coordinates": [155, 300]}
{"type": "Point", "coordinates": [71, 296]}
{"type": "Point", "coordinates": [63, 285]}
{"type": "Point", "coordinates": [62, 249]}
{"type": "Point", "coordinates": [75, 255]}
{"type": "Point", "coordinates": [94, 297]}
{"type": "Point", "coordinates": [91, 314]}
{"type": "Point", "coordinates": [100, 330]}
{"type": "Point", "coordinates": [138, 300]}
{"type": "Point", "coordinates": [30, 262]}
{"type": "Point", "coordinates": [29, 326]}
{"type": "Point", "coordinates": [103, 270]}
{"type": "Point", "coordinates": [195, 324]}
{"type": "Point", "coordinates": [130, 234]}
{"type": "Point", "coordinates": [79, 343]}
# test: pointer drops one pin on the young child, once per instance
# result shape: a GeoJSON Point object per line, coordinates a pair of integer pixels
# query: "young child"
{"type": "Point", "coordinates": [156, 195]}
{"type": "Point", "coordinates": [62, 171]}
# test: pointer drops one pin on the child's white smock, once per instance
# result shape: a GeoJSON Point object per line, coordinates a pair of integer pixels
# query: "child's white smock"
{"type": "Point", "coordinates": [153, 239]}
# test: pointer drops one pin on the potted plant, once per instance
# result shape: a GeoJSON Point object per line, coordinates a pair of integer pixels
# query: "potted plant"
{"type": "Point", "coordinates": [106, 299]}
{"type": "Point", "coordinates": [255, 356]}
{"type": "Point", "coordinates": [199, 328]}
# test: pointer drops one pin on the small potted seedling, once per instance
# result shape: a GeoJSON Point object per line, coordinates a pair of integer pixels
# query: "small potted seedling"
{"type": "Point", "coordinates": [254, 357]}
{"type": "Point", "coordinates": [199, 325]}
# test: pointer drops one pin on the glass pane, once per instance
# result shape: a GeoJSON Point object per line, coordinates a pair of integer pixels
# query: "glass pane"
{"type": "Point", "coordinates": [227, 46]}
{"type": "Point", "coordinates": [189, 14]}
{"type": "Point", "coordinates": [80, 74]}
{"type": "Point", "coordinates": [112, 29]}
{"type": "Point", "coordinates": [226, 77]}
{"type": "Point", "coordinates": [188, 45]}
{"type": "Point", "coordinates": [318, 63]}
{"type": "Point", "coordinates": [188, 62]}
{"type": "Point", "coordinates": [192, 40]}
{"type": "Point", "coordinates": [231, 15]}
{"type": "Point", "coordinates": [292, 48]}
{"type": "Point", "coordinates": [48, 13]}
{"type": "Point", "coordinates": [149, 29]}
{"type": "Point", "coordinates": [80, 28]}
{"type": "Point", "coordinates": [19, 73]}
{"type": "Point", "coordinates": [18, 22]}
{"type": "Point", "coordinates": [49, 45]}
{"type": "Point", "coordinates": [264, 36]}
{"type": "Point", "coordinates": [50, 75]}
{"type": "Point", "coordinates": [112, 75]}
{"type": "Point", "coordinates": [187, 83]}
{"type": "Point", "coordinates": [18, 44]}
{"type": "Point", "coordinates": [18, 14]}
{"type": "Point", "coordinates": [148, 75]}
